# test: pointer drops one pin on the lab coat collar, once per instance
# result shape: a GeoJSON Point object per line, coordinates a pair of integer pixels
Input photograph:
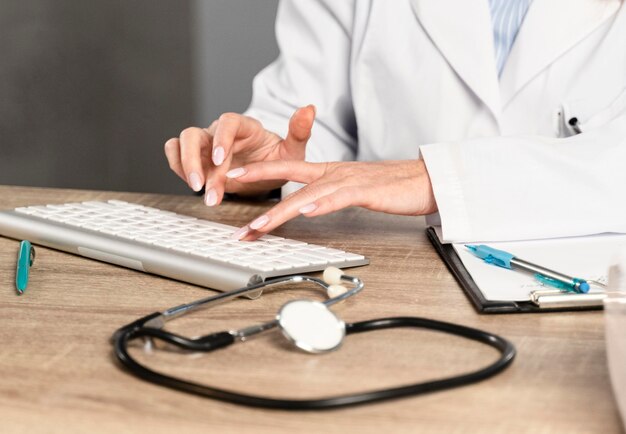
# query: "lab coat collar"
{"type": "Point", "coordinates": [550, 28]}
{"type": "Point", "coordinates": [462, 31]}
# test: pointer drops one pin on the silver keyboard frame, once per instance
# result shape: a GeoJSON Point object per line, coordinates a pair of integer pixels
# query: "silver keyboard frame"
{"type": "Point", "coordinates": [141, 256]}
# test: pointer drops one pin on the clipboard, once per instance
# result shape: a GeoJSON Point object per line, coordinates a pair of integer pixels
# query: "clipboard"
{"type": "Point", "coordinates": [540, 301]}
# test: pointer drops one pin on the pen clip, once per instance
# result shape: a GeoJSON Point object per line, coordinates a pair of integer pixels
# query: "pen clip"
{"type": "Point", "coordinates": [31, 258]}
{"type": "Point", "coordinates": [577, 285]}
{"type": "Point", "coordinates": [547, 281]}
{"type": "Point", "coordinates": [490, 255]}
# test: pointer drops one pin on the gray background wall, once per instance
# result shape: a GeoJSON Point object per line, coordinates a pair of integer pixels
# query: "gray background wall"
{"type": "Point", "coordinates": [90, 91]}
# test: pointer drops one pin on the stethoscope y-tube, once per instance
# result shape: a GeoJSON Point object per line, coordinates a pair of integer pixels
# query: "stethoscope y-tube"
{"type": "Point", "coordinates": [150, 327]}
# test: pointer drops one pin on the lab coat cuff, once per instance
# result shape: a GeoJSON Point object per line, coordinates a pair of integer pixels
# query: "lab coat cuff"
{"type": "Point", "coordinates": [445, 172]}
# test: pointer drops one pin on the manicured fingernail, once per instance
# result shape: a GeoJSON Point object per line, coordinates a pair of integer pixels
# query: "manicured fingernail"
{"type": "Point", "coordinates": [218, 155]}
{"type": "Point", "coordinates": [259, 222]}
{"type": "Point", "coordinates": [308, 208]}
{"type": "Point", "coordinates": [210, 199]}
{"type": "Point", "coordinates": [240, 233]}
{"type": "Point", "coordinates": [195, 181]}
{"type": "Point", "coordinates": [236, 173]}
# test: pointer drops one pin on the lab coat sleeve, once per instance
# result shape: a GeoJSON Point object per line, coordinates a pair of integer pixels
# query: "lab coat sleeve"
{"type": "Point", "coordinates": [314, 38]}
{"type": "Point", "coordinates": [520, 188]}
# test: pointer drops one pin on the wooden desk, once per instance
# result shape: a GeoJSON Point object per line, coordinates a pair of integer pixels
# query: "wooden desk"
{"type": "Point", "coordinates": [58, 375]}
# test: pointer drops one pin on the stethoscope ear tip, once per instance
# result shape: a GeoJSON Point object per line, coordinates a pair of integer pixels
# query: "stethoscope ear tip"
{"type": "Point", "coordinates": [336, 290]}
{"type": "Point", "coordinates": [332, 275]}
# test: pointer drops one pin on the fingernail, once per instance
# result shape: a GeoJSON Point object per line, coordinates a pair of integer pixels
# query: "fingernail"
{"type": "Point", "coordinates": [259, 222]}
{"type": "Point", "coordinates": [308, 208]}
{"type": "Point", "coordinates": [314, 108]}
{"type": "Point", "coordinates": [240, 233]}
{"type": "Point", "coordinates": [210, 199]}
{"type": "Point", "coordinates": [195, 181]}
{"type": "Point", "coordinates": [218, 155]}
{"type": "Point", "coordinates": [236, 173]}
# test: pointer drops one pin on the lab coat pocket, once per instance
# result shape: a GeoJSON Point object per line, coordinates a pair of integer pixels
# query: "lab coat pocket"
{"type": "Point", "coordinates": [574, 117]}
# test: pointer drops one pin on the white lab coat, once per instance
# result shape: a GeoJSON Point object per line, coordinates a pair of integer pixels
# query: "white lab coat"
{"type": "Point", "coordinates": [393, 77]}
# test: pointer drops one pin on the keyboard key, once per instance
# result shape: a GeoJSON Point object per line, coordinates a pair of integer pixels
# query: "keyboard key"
{"type": "Point", "coordinates": [315, 260]}
{"type": "Point", "coordinates": [353, 256]}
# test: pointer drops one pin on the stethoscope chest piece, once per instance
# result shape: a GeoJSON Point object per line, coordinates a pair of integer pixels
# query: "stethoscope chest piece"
{"type": "Point", "coordinates": [311, 326]}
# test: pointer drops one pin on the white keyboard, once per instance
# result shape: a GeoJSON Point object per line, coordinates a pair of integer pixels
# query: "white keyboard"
{"type": "Point", "coordinates": [162, 242]}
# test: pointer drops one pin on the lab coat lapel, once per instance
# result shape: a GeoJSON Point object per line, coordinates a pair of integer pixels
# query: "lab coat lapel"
{"type": "Point", "coordinates": [462, 32]}
{"type": "Point", "coordinates": [550, 28]}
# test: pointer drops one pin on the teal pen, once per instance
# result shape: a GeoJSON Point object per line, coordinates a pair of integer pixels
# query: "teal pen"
{"type": "Point", "coordinates": [25, 258]}
{"type": "Point", "coordinates": [544, 275]}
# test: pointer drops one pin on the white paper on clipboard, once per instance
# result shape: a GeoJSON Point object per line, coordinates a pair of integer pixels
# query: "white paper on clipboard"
{"type": "Point", "coordinates": [585, 257]}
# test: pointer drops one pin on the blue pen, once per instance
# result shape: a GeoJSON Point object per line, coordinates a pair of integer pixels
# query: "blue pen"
{"type": "Point", "coordinates": [25, 259]}
{"type": "Point", "coordinates": [548, 277]}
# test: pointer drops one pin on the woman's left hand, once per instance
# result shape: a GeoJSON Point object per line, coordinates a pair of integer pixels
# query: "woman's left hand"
{"type": "Point", "coordinates": [395, 187]}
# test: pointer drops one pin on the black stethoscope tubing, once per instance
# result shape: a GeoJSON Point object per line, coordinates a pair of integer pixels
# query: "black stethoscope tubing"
{"type": "Point", "coordinates": [222, 339]}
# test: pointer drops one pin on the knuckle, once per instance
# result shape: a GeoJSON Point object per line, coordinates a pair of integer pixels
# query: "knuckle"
{"type": "Point", "coordinates": [210, 130]}
{"type": "Point", "coordinates": [189, 132]}
{"type": "Point", "coordinates": [170, 145]}
{"type": "Point", "coordinates": [229, 117]}
{"type": "Point", "coordinates": [188, 160]}
{"type": "Point", "coordinates": [294, 200]}
{"type": "Point", "coordinates": [311, 192]}
{"type": "Point", "coordinates": [347, 191]}
{"type": "Point", "coordinates": [290, 166]}
{"type": "Point", "coordinates": [331, 168]}
{"type": "Point", "coordinates": [184, 160]}
{"type": "Point", "coordinates": [290, 196]}
{"type": "Point", "coordinates": [332, 202]}
{"type": "Point", "coordinates": [352, 196]}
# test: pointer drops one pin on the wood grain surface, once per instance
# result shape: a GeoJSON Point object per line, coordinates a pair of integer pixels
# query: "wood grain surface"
{"type": "Point", "coordinates": [58, 374]}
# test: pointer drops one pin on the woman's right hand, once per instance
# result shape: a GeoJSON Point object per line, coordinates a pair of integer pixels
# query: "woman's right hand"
{"type": "Point", "coordinates": [202, 156]}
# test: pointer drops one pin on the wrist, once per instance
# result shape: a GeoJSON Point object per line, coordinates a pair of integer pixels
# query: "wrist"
{"type": "Point", "coordinates": [426, 188]}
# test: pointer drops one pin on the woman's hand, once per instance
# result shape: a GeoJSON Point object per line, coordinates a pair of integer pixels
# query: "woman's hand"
{"type": "Point", "coordinates": [395, 187]}
{"type": "Point", "coordinates": [202, 156]}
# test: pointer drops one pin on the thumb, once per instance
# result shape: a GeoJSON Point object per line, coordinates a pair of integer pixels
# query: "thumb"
{"type": "Point", "coordinates": [299, 133]}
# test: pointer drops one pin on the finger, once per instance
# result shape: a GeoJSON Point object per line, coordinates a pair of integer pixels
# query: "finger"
{"type": "Point", "coordinates": [285, 210]}
{"type": "Point", "coordinates": [342, 198]}
{"type": "Point", "coordinates": [211, 129]}
{"type": "Point", "coordinates": [215, 182]}
{"type": "Point", "coordinates": [229, 127]}
{"type": "Point", "coordinates": [172, 152]}
{"type": "Point", "coordinates": [300, 126]}
{"type": "Point", "coordinates": [291, 170]}
{"type": "Point", "coordinates": [215, 175]}
{"type": "Point", "coordinates": [210, 195]}
{"type": "Point", "coordinates": [192, 142]}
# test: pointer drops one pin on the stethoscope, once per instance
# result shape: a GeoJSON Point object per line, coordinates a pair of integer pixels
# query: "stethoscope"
{"type": "Point", "coordinates": [309, 325]}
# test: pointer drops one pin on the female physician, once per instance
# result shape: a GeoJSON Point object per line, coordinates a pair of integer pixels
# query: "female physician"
{"type": "Point", "coordinates": [505, 119]}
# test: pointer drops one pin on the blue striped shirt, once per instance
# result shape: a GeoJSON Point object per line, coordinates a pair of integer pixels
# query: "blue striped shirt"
{"type": "Point", "coordinates": [506, 19]}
